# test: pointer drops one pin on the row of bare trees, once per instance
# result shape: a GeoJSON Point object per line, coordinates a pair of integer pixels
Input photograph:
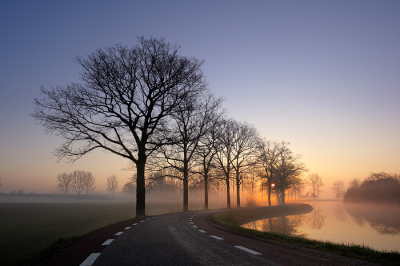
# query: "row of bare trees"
{"type": "Point", "coordinates": [82, 182]}
{"type": "Point", "coordinates": [77, 181]}
{"type": "Point", "coordinates": [151, 105]}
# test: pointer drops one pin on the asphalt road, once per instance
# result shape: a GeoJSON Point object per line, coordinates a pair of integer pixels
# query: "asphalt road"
{"type": "Point", "coordinates": [173, 239]}
{"type": "Point", "coordinates": [187, 239]}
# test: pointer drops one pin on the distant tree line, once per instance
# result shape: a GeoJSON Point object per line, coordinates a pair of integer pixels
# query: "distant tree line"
{"type": "Point", "coordinates": [376, 188]}
{"type": "Point", "coordinates": [77, 181]}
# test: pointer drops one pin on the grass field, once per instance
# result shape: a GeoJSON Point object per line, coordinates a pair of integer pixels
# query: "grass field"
{"type": "Point", "coordinates": [27, 228]}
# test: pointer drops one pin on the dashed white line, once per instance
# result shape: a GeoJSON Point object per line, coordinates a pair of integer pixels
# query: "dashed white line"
{"type": "Point", "coordinates": [202, 231]}
{"type": "Point", "coordinates": [194, 226]}
{"type": "Point", "coordinates": [119, 233]}
{"type": "Point", "coordinates": [126, 228]}
{"type": "Point", "coordinates": [217, 237]}
{"type": "Point", "coordinates": [142, 221]}
{"type": "Point", "coordinates": [248, 250]}
{"type": "Point", "coordinates": [107, 242]}
{"type": "Point", "coordinates": [90, 260]}
{"type": "Point", "coordinates": [191, 222]}
{"type": "Point", "coordinates": [135, 224]}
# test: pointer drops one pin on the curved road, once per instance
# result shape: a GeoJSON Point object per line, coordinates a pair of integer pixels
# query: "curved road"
{"type": "Point", "coordinates": [187, 239]}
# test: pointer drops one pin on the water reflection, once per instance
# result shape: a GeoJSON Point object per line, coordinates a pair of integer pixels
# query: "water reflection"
{"type": "Point", "coordinates": [285, 225]}
{"type": "Point", "coordinates": [340, 212]}
{"type": "Point", "coordinates": [316, 219]}
{"type": "Point", "coordinates": [385, 219]}
{"type": "Point", "coordinates": [375, 226]}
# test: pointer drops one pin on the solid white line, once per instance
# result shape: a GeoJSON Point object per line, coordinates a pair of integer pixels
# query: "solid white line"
{"type": "Point", "coordinates": [194, 226]}
{"type": "Point", "coordinates": [108, 242]}
{"type": "Point", "coordinates": [119, 233]}
{"type": "Point", "coordinates": [248, 250]}
{"type": "Point", "coordinates": [126, 228]}
{"type": "Point", "coordinates": [90, 260]}
{"type": "Point", "coordinates": [135, 224]}
{"type": "Point", "coordinates": [217, 237]}
{"type": "Point", "coordinates": [202, 231]}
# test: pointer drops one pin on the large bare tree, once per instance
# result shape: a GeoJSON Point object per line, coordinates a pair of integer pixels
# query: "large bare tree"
{"type": "Point", "coordinates": [123, 103]}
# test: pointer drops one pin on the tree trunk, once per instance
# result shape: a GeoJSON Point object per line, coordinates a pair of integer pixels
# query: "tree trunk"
{"type": "Point", "coordinates": [185, 192]}
{"type": "Point", "coordinates": [206, 192]}
{"type": "Point", "coordinates": [269, 193]}
{"type": "Point", "coordinates": [140, 189]}
{"type": "Point", "coordinates": [228, 194]}
{"type": "Point", "coordinates": [282, 196]}
{"type": "Point", "coordinates": [238, 189]}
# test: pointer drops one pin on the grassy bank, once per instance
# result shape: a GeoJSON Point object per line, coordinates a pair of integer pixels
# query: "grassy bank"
{"type": "Point", "coordinates": [231, 221]}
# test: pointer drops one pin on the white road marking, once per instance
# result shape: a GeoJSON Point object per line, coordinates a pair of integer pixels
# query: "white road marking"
{"type": "Point", "coordinates": [202, 231]}
{"type": "Point", "coordinates": [191, 222]}
{"type": "Point", "coordinates": [142, 221]}
{"type": "Point", "coordinates": [148, 218]}
{"type": "Point", "coordinates": [194, 226]}
{"type": "Point", "coordinates": [217, 237]}
{"type": "Point", "coordinates": [126, 228]}
{"type": "Point", "coordinates": [154, 217]}
{"type": "Point", "coordinates": [135, 224]}
{"type": "Point", "coordinates": [119, 233]}
{"type": "Point", "coordinates": [248, 250]}
{"type": "Point", "coordinates": [108, 242]}
{"type": "Point", "coordinates": [90, 260]}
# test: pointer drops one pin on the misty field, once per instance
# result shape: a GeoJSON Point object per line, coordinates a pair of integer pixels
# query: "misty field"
{"type": "Point", "coordinates": [26, 228]}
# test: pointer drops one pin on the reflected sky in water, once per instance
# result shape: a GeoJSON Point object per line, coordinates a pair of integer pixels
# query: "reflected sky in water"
{"type": "Point", "coordinates": [375, 226]}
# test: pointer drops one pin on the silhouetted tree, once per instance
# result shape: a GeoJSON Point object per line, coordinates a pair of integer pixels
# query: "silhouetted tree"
{"type": "Point", "coordinates": [78, 181]}
{"type": "Point", "coordinates": [64, 182]}
{"type": "Point", "coordinates": [112, 183]}
{"type": "Point", "coordinates": [123, 104]}
{"type": "Point", "coordinates": [20, 191]}
{"type": "Point", "coordinates": [315, 181]}
{"type": "Point", "coordinates": [90, 182]}
{"type": "Point", "coordinates": [338, 188]}
{"type": "Point", "coordinates": [190, 122]}
{"type": "Point", "coordinates": [224, 152]}
{"type": "Point", "coordinates": [129, 187]}
{"type": "Point", "coordinates": [287, 170]}
{"type": "Point", "coordinates": [268, 159]}
{"type": "Point", "coordinates": [245, 142]}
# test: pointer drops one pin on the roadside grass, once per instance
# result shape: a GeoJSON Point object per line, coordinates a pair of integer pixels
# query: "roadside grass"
{"type": "Point", "coordinates": [29, 230]}
{"type": "Point", "coordinates": [226, 220]}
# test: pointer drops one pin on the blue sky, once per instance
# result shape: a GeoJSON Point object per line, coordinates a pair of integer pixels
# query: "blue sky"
{"type": "Point", "coordinates": [323, 75]}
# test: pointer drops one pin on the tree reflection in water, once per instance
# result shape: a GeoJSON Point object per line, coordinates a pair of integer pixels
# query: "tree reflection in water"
{"type": "Point", "coordinates": [340, 213]}
{"type": "Point", "coordinates": [385, 219]}
{"type": "Point", "coordinates": [316, 218]}
{"type": "Point", "coordinates": [286, 225]}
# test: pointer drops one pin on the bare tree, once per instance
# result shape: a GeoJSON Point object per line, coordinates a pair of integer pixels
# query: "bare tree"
{"type": "Point", "coordinates": [287, 170]}
{"type": "Point", "coordinates": [64, 182]}
{"type": "Point", "coordinates": [90, 182]}
{"type": "Point", "coordinates": [112, 183]}
{"type": "Point", "coordinates": [315, 181]}
{"type": "Point", "coordinates": [191, 121]}
{"type": "Point", "coordinates": [245, 143]}
{"type": "Point", "coordinates": [338, 188]}
{"type": "Point", "coordinates": [224, 153]}
{"type": "Point", "coordinates": [268, 158]}
{"type": "Point", "coordinates": [123, 105]}
{"type": "Point", "coordinates": [78, 181]}
{"type": "Point", "coordinates": [354, 183]}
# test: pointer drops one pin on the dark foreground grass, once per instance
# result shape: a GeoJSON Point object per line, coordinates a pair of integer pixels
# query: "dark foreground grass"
{"type": "Point", "coordinates": [30, 229]}
{"type": "Point", "coordinates": [227, 220]}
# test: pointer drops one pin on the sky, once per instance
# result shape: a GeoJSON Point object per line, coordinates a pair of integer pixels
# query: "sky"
{"type": "Point", "coordinates": [322, 75]}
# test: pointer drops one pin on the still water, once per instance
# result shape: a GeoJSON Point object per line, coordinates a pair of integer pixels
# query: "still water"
{"type": "Point", "coordinates": [375, 226]}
